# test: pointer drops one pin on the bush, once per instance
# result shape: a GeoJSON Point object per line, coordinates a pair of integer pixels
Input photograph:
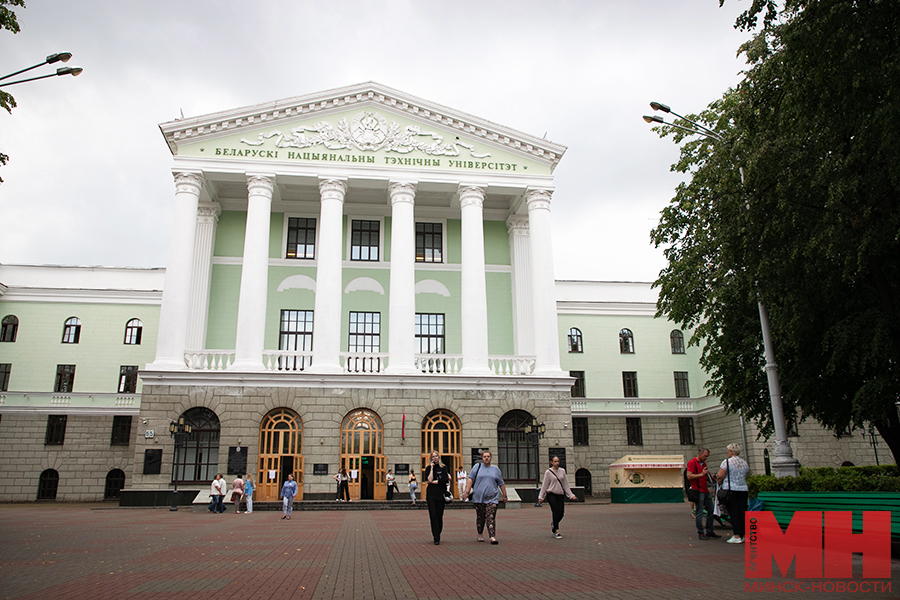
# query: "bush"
{"type": "Point", "coordinates": [884, 478]}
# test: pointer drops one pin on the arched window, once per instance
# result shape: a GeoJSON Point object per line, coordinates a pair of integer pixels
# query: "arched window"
{"type": "Point", "coordinates": [626, 342]}
{"type": "Point", "coordinates": [198, 460]}
{"type": "Point", "coordinates": [575, 341]}
{"type": "Point", "coordinates": [362, 450]}
{"type": "Point", "coordinates": [72, 331]}
{"type": "Point", "coordinates": [115, 481]}
{"type": "Point", "coordinates": [515, 455]}
{"type": "Point", "coordinates": [133, 329]}
{"type": "Point", "coordinates": [442, 431]}
{"type": "Point", "coordinates": [677, 339]}
{"type": "Point", "coordinates": [9, 328]}
{"type": "Point", "coordinates": [48, 484]}
{"type": "Point", "coordinates": [583, 479]}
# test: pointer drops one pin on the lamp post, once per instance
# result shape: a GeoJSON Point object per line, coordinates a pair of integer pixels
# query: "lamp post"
{"type": "Point", "coordinates": [784, 464]}
{"type": "Point", "coordinates": [180, 431]}
{"type": "Point", "coordinates": [53, 58]}
{"type": "Point", "coordinates": [535, 431]}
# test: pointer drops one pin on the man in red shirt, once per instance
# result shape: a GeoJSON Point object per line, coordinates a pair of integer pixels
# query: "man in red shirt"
{"type": "Point", "coordinates": [698, 475]}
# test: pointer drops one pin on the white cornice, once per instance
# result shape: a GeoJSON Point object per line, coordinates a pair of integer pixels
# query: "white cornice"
{"type": "Point", "coordinates": [635, 309]}
{"type": "Point", "coordinates": [84, 296]}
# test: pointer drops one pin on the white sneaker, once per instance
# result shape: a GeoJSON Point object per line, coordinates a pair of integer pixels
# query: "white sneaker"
{"type": "Point", "coordinates": [735, 540]}
{"type": "Point", "coordinates": [558, 535]}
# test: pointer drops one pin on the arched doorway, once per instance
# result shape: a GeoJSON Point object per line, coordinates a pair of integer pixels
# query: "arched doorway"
{"type": "Point", "coordinates": [515, 455]}
{"type": "Point", "coordinates": [442, 431]}
{"type": "Point", "coordinates": [362, 452]}
{"type": "Point", "coordinates": [198, 460]}
{"type": "Point", "coordinates": [48, 483]}
{"type": "Point", "coordinates": [115, 481]}
{"type": "Point", "coordinates": [583, 479]}
{"type": "Point", "coordinates": [280, 453]}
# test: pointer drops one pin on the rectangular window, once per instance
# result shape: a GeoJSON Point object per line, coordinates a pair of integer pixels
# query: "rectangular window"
{"type": "Point", "coordinates": [295, 335]}
{"type": "Point", "coordinates": [429, 242]}
{"type": "Point", "coordinates": [580, 431]}
{"type": "Point", "coordinates": [791, 424]}
{"type": "Point", "coordinates": [365, 337]}
{"type": "Point", "coordinates": [56, 430]}
{"type": "Point", "coordinates": [121, 431]}
{"type": "Point", "coordinates": [5, 370]}
{"type": "Point", "coordinates": [128, 378]}
{"type": "Point", "coordinates": [633, 430]}
{"type": "Point", "coordinates": [629, 384]}
{"type": "Point", "coordinates": [364, 236]}
{"type": "Point", "coordinates": [578, 386]}
{"type": "Point", "coordinates": [682, 390]}
{"type": "Point", "coordinates": [65, 378]}
{"type": "Point", "coordinates": [429, 333]}
{"type": "Point", "coordinates": [686, 430]}
{"type": "Point", "coordinates": [301, 238]}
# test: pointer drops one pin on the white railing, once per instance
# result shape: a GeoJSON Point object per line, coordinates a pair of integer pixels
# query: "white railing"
{"type": "Point", "coordinates": [511, 365]}
{"type": "Point", "coordinates": [209, 360]}
{"type": "Point", "coordinates": [438, 364]}
{"type": "Point", "coordinates": [287, 360]}
{"type": "Point", "coordinates": [364, 362]}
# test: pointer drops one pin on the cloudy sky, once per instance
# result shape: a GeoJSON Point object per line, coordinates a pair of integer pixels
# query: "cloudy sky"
{"type": "Point", "coordinates": [89, 181]}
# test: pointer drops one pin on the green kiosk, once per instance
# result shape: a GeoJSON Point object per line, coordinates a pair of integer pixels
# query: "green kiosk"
{"type": "Point", "coordinates": [644, 478]}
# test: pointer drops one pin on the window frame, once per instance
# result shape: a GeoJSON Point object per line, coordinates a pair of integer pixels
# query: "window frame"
{"type": "Point", "coordinates": [133, 332]}
{"type": "Point", "coordinates": [379, 246]}
{"type": "Point", "coordinates": [65, 379]}
{"type": "Point", "coordinates": [682, 384]}
{"type": "Point", "coordinates": [440, 338]}
{"type": "Point", "coordinates": [121, 431]}
{"type": "Point", "coordinates": [676, 341]}
{"type": "Point", "coordinates": [442, 223]}
{"type": "Point", "coordinates": [626, 341]}
{"type": "Point", "coordinates": [576, 341]}
{"type": "Point", "coordinates": [629, 377]}
{"type": "Point", "coordinates": [579, 388]}
{"type": "Point", "coordinates": [5, 371]}
{"type": "Point", "coordinates": [580, 431]}
{"type": "Point", "coordinates": [288, 339]}
{"type": "Point", "coordinates": [9, 329]}
{"type": "Point", "coordinates": [286, 236]}
{"type": "Point", "coordinates": [368, 365]}
{"type": "Point", "coordinates": [128, 374]}
{"type": "Point", "coordinates": [686, 431]}
{"type": "Point", "coordinates": [55, 434]}
{"type": "Point", "coordinates": [71, 331]}
{"type": "Point", "coordinates": [634, 431]}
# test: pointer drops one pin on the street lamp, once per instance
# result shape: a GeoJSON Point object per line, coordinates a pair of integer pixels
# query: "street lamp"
{"type": "Point", "coordinates": [535, 431]}
{"type": "Point", "coordinates": [180, 431]}
{"type": "Point", "coordinates": [58, 57]}
{"type": "Point", "coordinates": [784, 464]}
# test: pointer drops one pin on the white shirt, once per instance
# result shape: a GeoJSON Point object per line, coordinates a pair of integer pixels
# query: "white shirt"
{"type": "Point", "coordinates": [461, 475]}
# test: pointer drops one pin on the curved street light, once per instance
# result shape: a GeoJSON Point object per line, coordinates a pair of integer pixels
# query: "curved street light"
{"type": "Point", "coordinates": [784, 464]}
{"type": "Point", "coordinates": [53, 58]}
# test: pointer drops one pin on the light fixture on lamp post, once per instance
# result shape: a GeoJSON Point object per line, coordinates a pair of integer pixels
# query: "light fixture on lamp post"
{"type": "Point", "coordinates": [180, 431]}
{"type": "Point", "coordinates": [784, 464]}
{"type": "Point", "coordinates": [535, 431]}
{"type": "Point", "coordinates": [53, 58]}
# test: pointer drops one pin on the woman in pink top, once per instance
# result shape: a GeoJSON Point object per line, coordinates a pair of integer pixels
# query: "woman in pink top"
{"type": "Point", "coordinates": [555, 489]}
{"type": "Point", "coordinates": [237, 491]}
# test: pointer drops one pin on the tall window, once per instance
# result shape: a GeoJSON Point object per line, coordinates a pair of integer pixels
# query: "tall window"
{"type": "Point", "coordinates": [5, 370]}
{"type": "Point", "coordinates": [128, 377]}
{"type": "Point", "coordinates": [364, 237]}
{"type": "Point", "coordinates": [677, 339]}
{"type": "Point", "coordinates": [626, 342]}
{"type": "Point", "coordinates": [629, 384]}
{"type": "Point", "coordinates": [791, 425]}
{"type": "Point", "coordinates": [365, 337]}
{"type": "Point", "coordinates": [72, 331]}
{"type": "Point", "coordinates": [56, 430]}
{"type": "Point", "coordinates": [575, 341]}
{"type": "Point", "coordinates": [682, 390]}
{"type": "Point", "coordinates": [121, 431]}
{"type": "Point", "coordinates": [8, 328]}
{"type": "Point", "coordinates": [133, 329]}
{"type": "Point", "coordinates": [515, 454]}
{"type": "Point", "coordinates": [65, 379]}
{"type": "Point", "coordinates": [429, 242]}
{"type": "Point", "coordinates": [295, 334]}
{"type": "Point", "coordinates": [633, 431]}
{"type": "Point", "coordinates": [580, 431]}
{"type": "Point", "coordinates": [301, 238]}
{"type": "Point", "coordinates": [686, 430]}
{"type": "Point", "coordinates": [429, 333]}
{"type": "Point", "coordinates": [578, 386]}
{"type": "Point", "coordinates": [198, 460]}
{"type": "Point", "coordinates": [48, 483]}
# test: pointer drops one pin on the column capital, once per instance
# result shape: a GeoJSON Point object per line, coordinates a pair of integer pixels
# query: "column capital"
{"type": "Point", "coordinates": [517, 225]}
{"type": "Point", "coordinates": [188, 182]}
{"type": "Point", "coordinates": [538, 198]}
{"type": "Point", "coordinates": [471, 195]}
{"type": "Point", "coordinates": [402, 191]}
{"type": "Point", "coordinates": [260, 185]}
{"type": "Point", "coordinates": [208, 212]}
{"type": "Point", "coordinates": [332, 189]}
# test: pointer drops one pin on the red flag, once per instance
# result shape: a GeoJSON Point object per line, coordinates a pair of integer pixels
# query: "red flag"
{"type": "Point", "coordinates": [403, 432]}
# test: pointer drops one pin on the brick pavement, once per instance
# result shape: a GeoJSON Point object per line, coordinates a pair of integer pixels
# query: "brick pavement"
{"type": "Point", "coordinates": [79, 551]}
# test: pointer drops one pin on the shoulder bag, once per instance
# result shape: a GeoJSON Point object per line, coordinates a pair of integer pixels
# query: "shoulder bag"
{"type": "Point", "coordinates": [692, 494]}
{"type": "Point", "coordinates": [723, 495]}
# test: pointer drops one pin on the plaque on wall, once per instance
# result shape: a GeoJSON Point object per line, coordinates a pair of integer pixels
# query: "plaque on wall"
{"type": "Point", "coordinates": [153, 461]}
{"type": "Point", "coordinates": [320, 469]}
{"type": "Point", "coordinates": [476, 455]}
{"type": "Point", "coordinates": [237, 460]}
{"type": "Point", "coordinates": [561, 453]}
{"type": "Point", "coordinates": [401, 469]}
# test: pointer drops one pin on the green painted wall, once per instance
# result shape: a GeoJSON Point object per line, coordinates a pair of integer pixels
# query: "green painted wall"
{"type": "Point", "coordinates": [496, 243]}
{"type": "Point", "coordinates": [500, 311]}
{"type": "Point", "coordinates": [225, 289]}
{"type": "Point", "coordinates": [449, 307]}
{"type": "Point", "coordinates": [230, 233]}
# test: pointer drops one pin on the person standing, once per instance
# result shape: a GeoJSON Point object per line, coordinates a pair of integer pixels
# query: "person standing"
{"type": "Point", "coordinates": [461, 477]}
{"type": "Point", "coordinates": [438, 477]}
{"type": "Point", "coordinates": [484, 486]}
{"type": "Point", "coordinates": [732, 476]}
{"type": "Point", "coordinates": [699, 477]}
{"type": "Point", "coordinates": [389, 482]}
{"type": "Point", "coordinates": [343, 479]}
{"type": "Point", "coordinates": [555, 489]}
{"type": "Point", "coordinates": [214, 492]}
{"type": "Point", "coordinates": [288, 491]}
{"type": "Point", "coordinates": [237, 492]}
{"type": "Point", "coordinates": [248, 493]}
{"type": "Point", "coordinates": [413, 484]}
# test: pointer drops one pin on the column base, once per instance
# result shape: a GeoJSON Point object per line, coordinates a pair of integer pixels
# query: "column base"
{"type": "Point", "coordinates": [401, 369]}
{"type": "Point", "coordinates": [476, 371]}
{"type": "Point", "coordinates": [550, 372]}
{"type": "Point", "coordinates": [166, 364]}
{"type": "Point", "coordinates": [320, 368]}
{"type": "Point", "coordinates": [247, 365]}
{"type": "Point", "coordinates": [785, 467]}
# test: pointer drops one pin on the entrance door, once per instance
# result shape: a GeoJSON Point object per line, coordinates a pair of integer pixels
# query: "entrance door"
{"type": "Point", "coordinates": [441, 431]}
{"type": "Point", "coordinates": [280, 454]}
{"type": "Point", "coordinates": [367, 477]}
{"type": "Point", "coordinates": [362, 452]}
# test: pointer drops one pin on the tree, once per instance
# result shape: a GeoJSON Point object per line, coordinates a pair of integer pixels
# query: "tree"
{"type": "Point", "coordinates": [8, 21]}
{"type": "Point", "coordinates": [814, 230]}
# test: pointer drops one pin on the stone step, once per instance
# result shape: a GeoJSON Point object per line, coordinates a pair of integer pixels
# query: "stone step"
{"type": "Point", "coordinates": [354, 505]}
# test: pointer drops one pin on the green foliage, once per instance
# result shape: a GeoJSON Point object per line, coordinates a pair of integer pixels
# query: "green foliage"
{"type": "Point", "coordinates": [885, 478]}
{"type": "Point", "coordinates": [9, 22]}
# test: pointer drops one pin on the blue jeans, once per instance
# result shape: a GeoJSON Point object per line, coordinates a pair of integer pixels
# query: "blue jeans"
{"type": "Point", "coordinates": [705, 502]}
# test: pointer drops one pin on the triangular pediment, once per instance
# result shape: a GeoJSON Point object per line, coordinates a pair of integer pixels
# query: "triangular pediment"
{"type": "Point", "coordinates": [367, 123]}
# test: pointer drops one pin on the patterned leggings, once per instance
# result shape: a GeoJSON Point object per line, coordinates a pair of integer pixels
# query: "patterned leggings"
{"type": "Point", "coordinates": [486, 512]}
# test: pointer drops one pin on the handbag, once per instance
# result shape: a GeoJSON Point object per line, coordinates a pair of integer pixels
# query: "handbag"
{"type": "Point", "coordinates": [723, 495]}
{"type": "Point", "coordinates": [448, 497]}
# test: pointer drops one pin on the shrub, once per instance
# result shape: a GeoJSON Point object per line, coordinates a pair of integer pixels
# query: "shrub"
{"type": "Point", "coordinates": [884, 478]}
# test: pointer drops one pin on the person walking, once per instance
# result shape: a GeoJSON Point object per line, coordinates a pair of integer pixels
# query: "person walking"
{"type": "Point", "coordinates": [343, 480]}
{"type": "Point", "coordinates": [438, 477]}
{"type": "Point", "coordinates": [461, 477]}
{"type": "Point", "coordinates": [248, 493]}
{"type": "Point", "coordinates": [389, 482]}
{"type": "Point", "coordinates": [732, 476]}
{"type": "Point", "coordinates": [699, 477]}
{"type": "Point", "coordinates": [413, 484]}
{"type": "Point", "coordinates": [485, 486]}
{"type": "Point", "coordinates": [288, 491]}
{"type": "Point", "coordinates": [215, 494]}
{"type": "Point", "coordinates": [237, 492]}
{"type": "Point", "coordinates": [555, 489]}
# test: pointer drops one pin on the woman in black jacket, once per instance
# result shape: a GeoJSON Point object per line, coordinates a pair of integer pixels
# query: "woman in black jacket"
{"type": "Point", "coordinates": [438, 477]}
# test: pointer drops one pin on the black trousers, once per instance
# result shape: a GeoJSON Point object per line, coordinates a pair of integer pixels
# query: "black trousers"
{"type": "Point", "coordinates": [435, 512]}
{"type": "Point", "coordinates": [737, 508]}
{"type": "Point", "coordinates": [344, 490]}
{"type": "Point", "coordinates": [557, 504]}
{"type": "Point", "coordinates": [390, 491]}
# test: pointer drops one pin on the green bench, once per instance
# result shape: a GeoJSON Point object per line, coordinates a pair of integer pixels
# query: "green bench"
{"type": "Point", "coordinates": [784, 504]}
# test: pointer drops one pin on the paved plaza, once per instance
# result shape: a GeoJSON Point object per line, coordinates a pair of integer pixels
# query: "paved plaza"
{"type": "Point", "coordinates": [96, 551]}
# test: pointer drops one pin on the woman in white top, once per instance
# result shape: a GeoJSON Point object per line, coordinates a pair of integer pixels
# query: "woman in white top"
{"type": "Point", "coordinates": [733, 476]}
{"type": "Point", "coordinates": [555, 489]}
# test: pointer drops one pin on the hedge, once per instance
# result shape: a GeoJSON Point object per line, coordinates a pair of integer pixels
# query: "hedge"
{"type": "Point", "coordinates": [883, 478]}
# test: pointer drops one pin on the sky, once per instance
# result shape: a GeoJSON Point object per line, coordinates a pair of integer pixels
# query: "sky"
{"type": "Point", "coordinates": [89, 177]}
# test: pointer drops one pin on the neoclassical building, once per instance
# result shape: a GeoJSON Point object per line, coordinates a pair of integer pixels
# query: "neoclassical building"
{"type": "Point", "coordinates": [355, 279]}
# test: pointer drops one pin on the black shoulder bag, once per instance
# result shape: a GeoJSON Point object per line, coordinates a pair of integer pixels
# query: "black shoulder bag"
{"type": "Point", "coordinates": [723, 495]}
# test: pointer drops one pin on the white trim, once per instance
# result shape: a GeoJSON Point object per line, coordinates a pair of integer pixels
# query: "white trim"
{"type": "Point", "coordinates": [153, 298]}
{"type": "Point", "coordinates": [619, 309]}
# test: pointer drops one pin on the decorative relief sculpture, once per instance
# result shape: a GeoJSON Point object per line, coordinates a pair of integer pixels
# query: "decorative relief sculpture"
{"type": "Point", "coordinates": [367, 131]}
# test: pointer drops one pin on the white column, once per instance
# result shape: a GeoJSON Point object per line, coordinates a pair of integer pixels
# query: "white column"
{"type": "Point", "coordinates": [173, 314]}
{"type": "Point", "coordinates": [327, 315]}
{"type": "Point", "coordinates": [474, 289]}
{"type": "Point", "coordinates": [543, 285]}
{"type": "Point", "coordinates": [402, 312]}
{"type": "Point", "coordinates": [251, 322]}
{"type": "Point", "coordinates": [520, 256]}
{"type": "Point", "coordinates": [207, 220]}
